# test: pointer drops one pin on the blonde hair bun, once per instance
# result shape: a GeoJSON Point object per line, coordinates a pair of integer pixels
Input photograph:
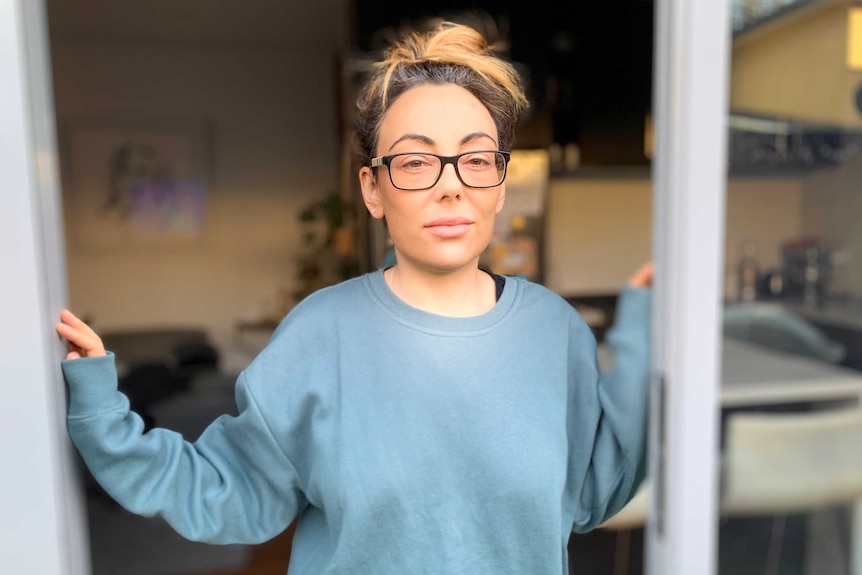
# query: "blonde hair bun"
{"type": "Point", "coordinates": [447, 53]}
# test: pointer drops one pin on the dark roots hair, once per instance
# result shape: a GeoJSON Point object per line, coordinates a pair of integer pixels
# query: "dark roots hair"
{"type": "Point", "coordinates": [448, 54]}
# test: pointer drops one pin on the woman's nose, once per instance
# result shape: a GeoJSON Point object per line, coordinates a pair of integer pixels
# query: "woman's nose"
{"type": "Point", "coordinates": [449, 184]}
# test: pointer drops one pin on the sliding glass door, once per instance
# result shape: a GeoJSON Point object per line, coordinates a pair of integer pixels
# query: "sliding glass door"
{"type": "Point", "coordinates": [756, 463]}
{"type": "Point", "coordinates": [791, 432]}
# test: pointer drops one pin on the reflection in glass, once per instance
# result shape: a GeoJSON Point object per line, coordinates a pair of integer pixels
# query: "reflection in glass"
{"type": "Point", "coordinates": [791, 458]}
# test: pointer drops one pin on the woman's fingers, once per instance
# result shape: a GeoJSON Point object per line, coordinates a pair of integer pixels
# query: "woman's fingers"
{"type": "Point", "coordinates": [83, 344]}
{"type": "Point", "coordinates": [77, 340]}
{"type": "Point", "coordinates": [69, 318]}
{"type": "Point", "coordinates": [83, 341]}
{"type": "Point", "coordinates": [643, 276]}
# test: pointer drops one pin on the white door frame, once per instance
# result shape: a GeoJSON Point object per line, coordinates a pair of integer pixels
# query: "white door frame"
{"type": "Point", "coordinates": [43, 521]}
{"type": "Point", "coordinates": [689, 176]}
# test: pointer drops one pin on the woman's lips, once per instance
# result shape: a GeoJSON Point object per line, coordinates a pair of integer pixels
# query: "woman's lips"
{"type": "Point", "coordinates": [449, 227]}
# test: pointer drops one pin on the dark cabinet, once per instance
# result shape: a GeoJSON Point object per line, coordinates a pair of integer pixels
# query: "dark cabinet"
{"type": "Point", "coordinates": [587, 65]}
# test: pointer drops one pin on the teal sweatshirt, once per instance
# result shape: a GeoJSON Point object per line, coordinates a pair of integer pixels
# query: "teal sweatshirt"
{"type": "Point", "coordinates": [407, 442]}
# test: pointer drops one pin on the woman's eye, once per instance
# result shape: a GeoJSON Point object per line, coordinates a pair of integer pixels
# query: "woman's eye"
{"type": "Point", "coordinates": [477, 161]}
{"type": "Point", "coordinates": [413, 163]}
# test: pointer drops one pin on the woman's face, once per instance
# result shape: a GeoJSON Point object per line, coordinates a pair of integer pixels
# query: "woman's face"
{"type": "Point", "coordinates": [444, 228]}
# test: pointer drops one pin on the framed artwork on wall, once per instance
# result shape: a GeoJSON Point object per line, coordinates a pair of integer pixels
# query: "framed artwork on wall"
{"type": "Point", "coordinates": [135, 185]}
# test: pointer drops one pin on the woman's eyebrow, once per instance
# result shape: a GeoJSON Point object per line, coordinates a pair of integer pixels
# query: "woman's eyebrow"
{"type": "Point", "coordinates": [417, 137]}
{"type": "Point", "coordinates": [475, 136]}
{"type": "Point", "coordinates": [422, 139]}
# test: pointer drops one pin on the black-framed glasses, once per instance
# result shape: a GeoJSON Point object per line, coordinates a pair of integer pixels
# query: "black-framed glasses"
{"type": "Point", "coordinates": [422, 170]}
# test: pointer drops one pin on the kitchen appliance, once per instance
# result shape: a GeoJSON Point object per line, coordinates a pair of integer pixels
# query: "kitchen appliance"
{"type": "Point", "coordinates": [807, 266]}
{"type": "Point", "coordinates": [517, 244]}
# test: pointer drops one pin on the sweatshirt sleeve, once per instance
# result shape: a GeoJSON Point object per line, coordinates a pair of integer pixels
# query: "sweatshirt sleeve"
{"type": "Point", "coordinates": [235, 484]}
{"type": "Point", "coordinates": [609, 412]}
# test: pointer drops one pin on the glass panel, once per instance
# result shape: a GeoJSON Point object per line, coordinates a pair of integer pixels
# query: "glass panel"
{"type": "Point", "coordinates": [791, 463]}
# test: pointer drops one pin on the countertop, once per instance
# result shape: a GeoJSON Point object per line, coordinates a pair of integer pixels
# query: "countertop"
{"type": "Point", "coordinates": [844, 313]}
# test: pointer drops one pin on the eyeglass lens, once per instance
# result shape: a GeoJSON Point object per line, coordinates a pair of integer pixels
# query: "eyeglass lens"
{"type": "Point", "coordinates": [420, 171]}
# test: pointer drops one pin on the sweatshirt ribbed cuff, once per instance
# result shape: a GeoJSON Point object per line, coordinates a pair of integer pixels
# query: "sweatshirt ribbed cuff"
{"type": "Point", "coordinates": [92, 384]}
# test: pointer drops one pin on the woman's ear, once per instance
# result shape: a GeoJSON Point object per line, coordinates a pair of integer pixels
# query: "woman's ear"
{"type": "Point", "coordinates": [370, 192]}
{"type": "Point", "coordinates": [501, 199]}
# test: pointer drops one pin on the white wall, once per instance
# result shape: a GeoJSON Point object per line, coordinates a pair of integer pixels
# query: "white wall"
{"type": "Point", "coordinates": [600, 230]}
{"type": "Point", "coordinates": [275, 148]}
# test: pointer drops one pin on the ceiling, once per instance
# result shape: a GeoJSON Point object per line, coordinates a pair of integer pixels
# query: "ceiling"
{"type": "Point", "coordinates": [320, 24]}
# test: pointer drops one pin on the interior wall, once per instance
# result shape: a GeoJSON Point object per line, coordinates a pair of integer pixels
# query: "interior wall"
{"type": "Point", "coordinates": [274, 148]}
{"type": "Point", "coordinates": [600, 231]}
{"type": "Point", "coordinates": [832, 204]}
{"type": "Point", "coordinates": [765, 211]}
{"type": "Point", "coordinates": [798, 70]}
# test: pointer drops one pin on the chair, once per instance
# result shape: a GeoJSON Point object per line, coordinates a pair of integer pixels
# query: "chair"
{"type": "Point", "coordinates": [779, 463]}
{"type": "Point", "coordinates": [792, 461]}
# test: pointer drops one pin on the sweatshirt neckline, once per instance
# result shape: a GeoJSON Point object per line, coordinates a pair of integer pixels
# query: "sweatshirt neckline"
{"type": "Point", "coordinates": [440, 324]}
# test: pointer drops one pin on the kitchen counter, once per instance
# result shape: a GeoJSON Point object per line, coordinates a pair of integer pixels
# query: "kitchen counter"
{"type": "Point", "coordinates": [840, 313]}
{"type": "Point", "coordinates": [840, 320]}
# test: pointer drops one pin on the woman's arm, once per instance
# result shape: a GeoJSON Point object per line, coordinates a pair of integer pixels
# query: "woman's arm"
{"type": "Point", "coordinates": [234, 485]}
{"type": "Point", "coordinates": [612, 410]}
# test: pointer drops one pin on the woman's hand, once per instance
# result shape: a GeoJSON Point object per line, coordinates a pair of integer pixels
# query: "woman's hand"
{"type": "Point", "coordinates": [642, 277]}
{"type": "Point", "coordinates": [83, 341]}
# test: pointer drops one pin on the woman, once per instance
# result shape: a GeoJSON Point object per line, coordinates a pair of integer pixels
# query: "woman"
{"type": "Point", "coordinates": [429, 417]}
